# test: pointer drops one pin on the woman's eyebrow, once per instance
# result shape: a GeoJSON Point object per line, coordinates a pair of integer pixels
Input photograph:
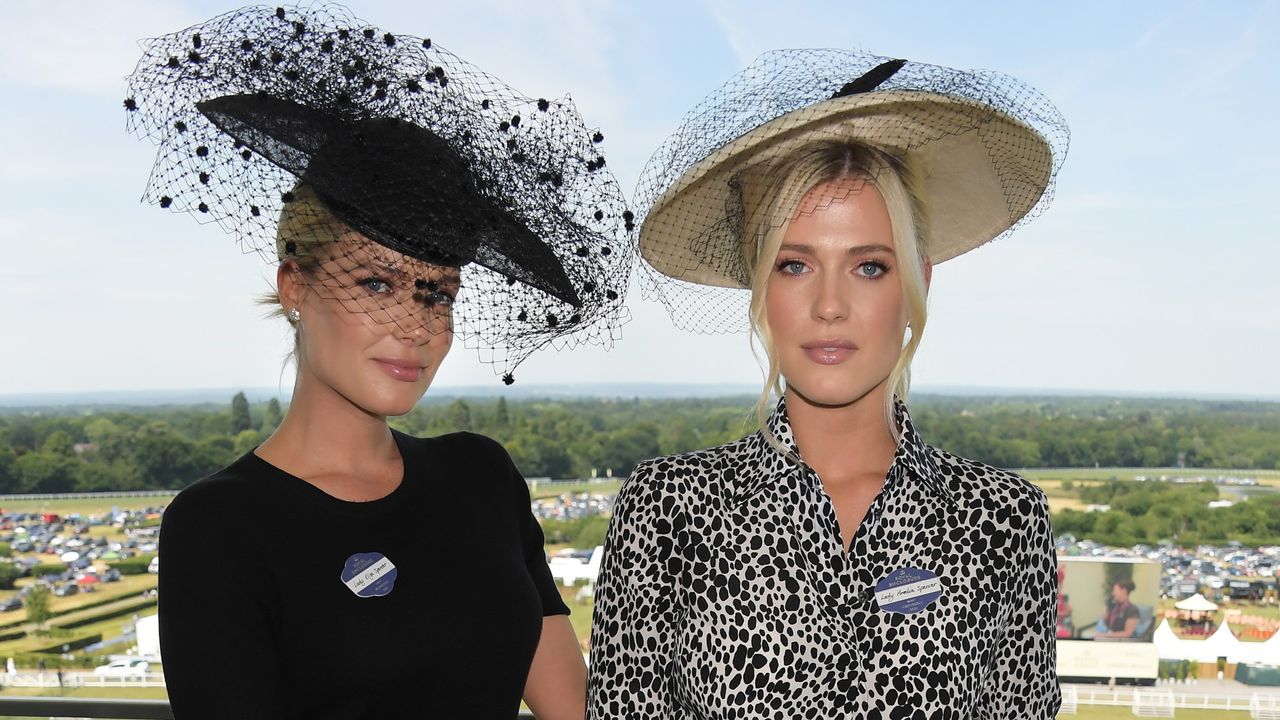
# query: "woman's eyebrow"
{"type": "Point", "coordinates": [375, 265]}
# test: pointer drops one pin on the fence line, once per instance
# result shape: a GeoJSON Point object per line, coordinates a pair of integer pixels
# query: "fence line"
{"type": "Point", "coordinates": [1076, 695]}
{"type": "Point", "coordinates": [585, 481]}
{"type": "Point", "coordinates": [75, 678]}
{"type": "Point", "coordinates": [89, 495]}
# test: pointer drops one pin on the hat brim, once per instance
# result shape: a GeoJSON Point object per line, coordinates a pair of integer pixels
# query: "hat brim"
{"type": "Point", "coordinates": [980, 171]}
{"type": "Point", "coordinates": [395, 182]}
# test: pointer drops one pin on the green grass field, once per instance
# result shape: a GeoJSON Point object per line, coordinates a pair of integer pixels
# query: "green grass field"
{"type": "Point", "coordinates": [1264, 477]}
{"type": "Point", "coordinates": [85, 506]}
{"type": "Point", "coordinates": [123, 693]}
{"type": "Point", "coordinates": [545, 490]}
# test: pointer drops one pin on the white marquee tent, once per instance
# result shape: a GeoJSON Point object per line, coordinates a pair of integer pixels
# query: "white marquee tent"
{"type": "Point", "coordinates": [1196, 603]}
{"type": "Point", "coordinates": [1222, 643]}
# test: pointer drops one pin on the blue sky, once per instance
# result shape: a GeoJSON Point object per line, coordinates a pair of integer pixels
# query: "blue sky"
{"type": "Point", "coordinates": [1152, 272]}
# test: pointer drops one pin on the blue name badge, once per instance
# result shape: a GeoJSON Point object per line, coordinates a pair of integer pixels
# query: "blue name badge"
{"type": "Point", "coordinates": [908, 590]}
{"type": "Point", "coordinates": [369, 574]}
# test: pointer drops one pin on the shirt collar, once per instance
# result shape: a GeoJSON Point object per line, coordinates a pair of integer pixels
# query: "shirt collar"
{"type": "Point", "coordinates": [913, 461]}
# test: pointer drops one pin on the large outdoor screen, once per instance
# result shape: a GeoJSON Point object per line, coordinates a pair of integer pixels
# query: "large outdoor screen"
{"type": "Point", "coordinates": [1112, 601]}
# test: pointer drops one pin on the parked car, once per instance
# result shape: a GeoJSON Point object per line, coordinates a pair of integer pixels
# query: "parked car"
{"type": "Point", "coordinates": [154, 565]}
{"type": "Point", "coordinates": [126, 667]}
{"type": "Point", "coordinates": [10, 604]}
{"type": "Point", "coordinates": [65, 590]}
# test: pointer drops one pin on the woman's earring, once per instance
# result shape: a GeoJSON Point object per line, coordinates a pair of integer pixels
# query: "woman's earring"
{"type": "Point", "coordinates": [294, 315]}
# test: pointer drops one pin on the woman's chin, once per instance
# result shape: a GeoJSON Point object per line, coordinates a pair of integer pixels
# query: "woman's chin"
{"type": "Point", "coordinates": [832, 394]}
{"type": "Point", "coordinates": [387, 404]}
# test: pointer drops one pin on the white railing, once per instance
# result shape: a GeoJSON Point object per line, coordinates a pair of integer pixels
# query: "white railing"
{"type": "Point", "coordinates": [1174, 698]}
{"type": "Point", "coordinates": [77, 678]}
{"type": "Point", "coordinates": [1264, 707]}
{"type": "Point", "coordinates": [1068, 701]}
{"type": "Point", "coordinates": [89, 495]}
{"type": "Point", "coordinates": [1153, 702]}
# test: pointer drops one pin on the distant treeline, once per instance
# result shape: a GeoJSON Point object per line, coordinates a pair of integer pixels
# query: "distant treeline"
{"type": "Point", "coordinates": [1106, 432]}
{"type": "Point", "coordinates": [1151, 512]}
{"type": "Point", "coordinates": [95, 449]}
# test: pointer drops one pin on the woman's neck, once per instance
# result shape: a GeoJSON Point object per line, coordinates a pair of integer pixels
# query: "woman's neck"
{"type": "Point", "coordinates": [324, 438]}
{"type": "Point", "coordinates": [844, 442]}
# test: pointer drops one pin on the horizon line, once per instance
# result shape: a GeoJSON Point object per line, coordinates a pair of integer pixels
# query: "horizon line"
{"type": "Point", "coordinates": [600, 390]}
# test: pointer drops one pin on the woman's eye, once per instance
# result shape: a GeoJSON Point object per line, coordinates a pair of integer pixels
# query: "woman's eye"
{"type": "Point", "coordinates": [872, 269]}
{"type": "Point", "coordinates": [440, 298]}
{"type": "Point", "coordinates": [791, 267]}
{"type": "Point", "coordinates": [375, 285]}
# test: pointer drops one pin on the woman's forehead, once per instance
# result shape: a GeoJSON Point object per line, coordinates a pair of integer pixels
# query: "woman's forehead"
{"type": "Point", "coordinates": [355, 250]}
{"type": "Point", "coordinates": [846, 215]}
{"type": "Point", "coordinates": [824, 194]}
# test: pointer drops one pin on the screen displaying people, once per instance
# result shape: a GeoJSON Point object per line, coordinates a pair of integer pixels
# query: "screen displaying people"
{"type": "Point", "coordinates": [1106, 599]}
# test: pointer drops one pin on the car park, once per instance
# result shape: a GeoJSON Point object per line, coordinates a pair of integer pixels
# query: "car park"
{"type": "Point", "coordinates": [66, 589]}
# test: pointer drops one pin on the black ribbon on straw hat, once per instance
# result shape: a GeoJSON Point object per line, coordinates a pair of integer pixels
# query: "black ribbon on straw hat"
{"type": "Point", "coordinates": [985, 149]}
{"type": "Point", "coordinates": [404, 143]}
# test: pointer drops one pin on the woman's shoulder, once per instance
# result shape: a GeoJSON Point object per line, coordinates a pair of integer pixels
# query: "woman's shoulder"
{"type": "Point", "coordinates": [227, 487]}
{"type": "Point", "coordinates": [218, 498]}
{"type": "Point", "coordinates": [462, 442]}
{"type": "Point", "coordinates": [697, 475]}
{"type": "Point", "coordinates": [699, 464]}
{"type": "Point", "coordinates": [482, 460]}
{"type": "Point", "coordinates": [979, 485]}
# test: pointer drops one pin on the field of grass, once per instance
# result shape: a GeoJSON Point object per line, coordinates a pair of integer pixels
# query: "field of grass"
{"type": "Point", "coordinates": [579, 614]}
{"type": "Point", "coordinates": [1060, 497]}
{"type": "Point", "coordinates": [545, 490]}
{"type": "Point", "coordinates": [85, 506]}
{"type": "Point", "coordinates": [128, 586]}
{"type": "Point", "coordinates": [1264, 477]}
{"type": "Point", "coordinates": [123, 693]}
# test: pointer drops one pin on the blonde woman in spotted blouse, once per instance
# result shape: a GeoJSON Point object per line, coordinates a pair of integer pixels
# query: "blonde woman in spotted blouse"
{"type": "Point", "coordinates": [832, 565]}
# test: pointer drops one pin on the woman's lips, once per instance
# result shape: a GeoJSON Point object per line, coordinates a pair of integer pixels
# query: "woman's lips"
{"type": "Point", "coordinates": [829, 352]}
{"type": "Point", "coordinates": [405, 372]}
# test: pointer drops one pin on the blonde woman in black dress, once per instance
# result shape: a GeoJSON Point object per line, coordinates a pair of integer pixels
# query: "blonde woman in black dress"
{"type": "Point", "coordinates": [404, 197]}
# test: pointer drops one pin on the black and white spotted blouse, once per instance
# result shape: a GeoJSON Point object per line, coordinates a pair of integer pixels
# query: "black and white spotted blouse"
{"type": "Point", "coordinates": [725, 591]}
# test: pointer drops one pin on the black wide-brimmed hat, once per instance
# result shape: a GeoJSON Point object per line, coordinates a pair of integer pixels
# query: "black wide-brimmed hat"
{"type": "Point", "coordinates": [984, 148]}
{"type": "Point", "coordinates": [403, 142]}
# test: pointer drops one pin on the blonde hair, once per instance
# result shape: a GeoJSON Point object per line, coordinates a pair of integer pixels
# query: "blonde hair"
{"type": "Point", "coordinates": [771, 193]}
{"type": "Point", "coordinates": [304, 233]}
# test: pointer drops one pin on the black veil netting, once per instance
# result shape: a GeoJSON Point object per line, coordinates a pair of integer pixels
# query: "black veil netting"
{"type": "Point", "coordinates": [441, 165]}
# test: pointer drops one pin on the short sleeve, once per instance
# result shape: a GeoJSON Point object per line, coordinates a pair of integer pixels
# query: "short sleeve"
{"type": "Point", "coordinates": [533, 542]}
{"type": "Point", "coordinates": [215, 629]}
{"type": "Point", "coordinates": [1023, 682]}
{"type": "Point", "coordinates": [636, 605]}
{"type": "Point", "coordinates": [1131, 613]}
